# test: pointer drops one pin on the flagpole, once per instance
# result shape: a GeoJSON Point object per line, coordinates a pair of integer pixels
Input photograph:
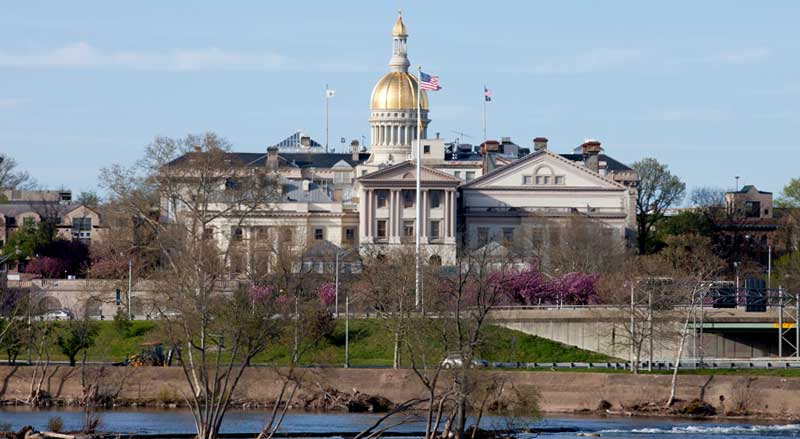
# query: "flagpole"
{"type": "Point", "coordinates": [484, 114]}
{"type": "Point", "coordinates": [418, 289]}
{"type": "Point", "coordinates": [327, 98]}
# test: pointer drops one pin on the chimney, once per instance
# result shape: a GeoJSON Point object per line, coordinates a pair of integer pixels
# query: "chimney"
{"type": "Point", "coordinates": [437, 134]}
{"type": "Point", "coordinates": [540, 144]}
{"type": "Point", "coordinates": [306, 185]}
{"type": "Point", "coordinates": [591, 154]}
{"type": "Point", "coordinates": [490, 146]}
{"type": "Point", "coordinates": [355, 150]}
{"type": "Point", "coordinates": [272, 158]}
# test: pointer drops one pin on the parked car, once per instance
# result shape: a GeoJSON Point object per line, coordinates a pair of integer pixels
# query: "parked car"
{"type": "Point", "coordinates": [57, 314]}
{"type": "Point", "coordinates": [456, 360]}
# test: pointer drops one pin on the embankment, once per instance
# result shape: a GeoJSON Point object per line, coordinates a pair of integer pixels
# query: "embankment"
{"type": "Point", "coordinates": [559, 391]}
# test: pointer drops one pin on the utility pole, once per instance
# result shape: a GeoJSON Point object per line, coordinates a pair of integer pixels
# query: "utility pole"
{"type": "Point", "coordinates": [347, 331]}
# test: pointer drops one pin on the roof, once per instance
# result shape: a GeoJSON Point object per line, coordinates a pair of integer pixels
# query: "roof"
{"type": "Point", "coordinates": [294, 140]}
{"type": "Point", "coordinates": [612, 164]}
{"type": "Point", "coordinates": [15, 208]}
{"type": "Point", "coordinates": [299, 160]}
{"type": "Point", "coordinates": [748, 187]}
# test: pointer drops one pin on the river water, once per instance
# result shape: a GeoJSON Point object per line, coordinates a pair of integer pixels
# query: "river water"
{"type": "Point", "coordinates": [240, 421]}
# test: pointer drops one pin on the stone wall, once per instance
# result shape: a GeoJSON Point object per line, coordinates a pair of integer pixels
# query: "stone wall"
{"type": "Point", "coordinates": [559, 391]}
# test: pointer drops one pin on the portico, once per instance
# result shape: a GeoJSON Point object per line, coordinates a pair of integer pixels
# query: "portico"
{"type": "Point", "coordinates": [388, 211]}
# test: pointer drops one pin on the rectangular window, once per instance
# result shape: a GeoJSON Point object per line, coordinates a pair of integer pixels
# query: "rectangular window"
{"type": "Point", "coordinates": [752, 209]}
{"type": "Point", "coordinates": [382, 198]}
{"type": "Point", "coordinates": [559, 179]}
{"type": "Point", "coordinates": [408, 228]}
{"type": "Point", "coordinates": [436, 199]}
{"type": "Point", "coordinates": [286, 235]}
{"type": "Point", "coordinates": [319, 234]}
{"type": "Point", "coordinates": [381, 228]}
{"type": "Point", "coordinates": [457, 174]}
{"type": "Point", "coordinates": [208, 233]}
{"type": "Point", "coordinates": [426, 149]}
{"type": "Point", "coordinates": [78, 224]}
{"type": "Point", "coordinates": [435, 230]}
{"type": "Point", "coordinates": [483, 235]}
{"type": "Point", "coordinates": [469, 175]}
{"type": "Point", "coordinates": [350, 234]}
{"type": "Point", "coordinates": [237, 233]}
{"type": "Point", "coordinates": [527, 180]}
{"type": "Point", "coordinates": [539, 179]}
{"type": "Point", "coordinates": [546, 179]}
{"type": "Point", "coordinates": [508, 234]}
{"type": "Point", "coordinates": [408, 198]}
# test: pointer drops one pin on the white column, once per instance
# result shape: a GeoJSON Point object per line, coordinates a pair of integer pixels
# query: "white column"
{"type": "Point", "coordinates": [368, 212]}
{"type": "Point", "coordinates": [452, 215]}
{"type": "Point", "coordinates": [391, 225]}
{"type": "Point", "coordinates": [362, 214]}
{"type": "Point", "coordinates": [423, 223]}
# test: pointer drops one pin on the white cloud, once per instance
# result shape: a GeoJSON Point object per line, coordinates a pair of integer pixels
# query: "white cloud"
{"type": "Point", "coordinates": [8, 103]}
{"type": "Point", "coordinates": [84, 56]}
{"type": "Point", "coordinates": [591, 61]}
{"type": "Point", "coordinates": [740, 56]}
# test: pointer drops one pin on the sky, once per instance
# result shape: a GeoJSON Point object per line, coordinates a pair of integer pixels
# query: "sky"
{"type": "Point", "coordinates": [710, 88]}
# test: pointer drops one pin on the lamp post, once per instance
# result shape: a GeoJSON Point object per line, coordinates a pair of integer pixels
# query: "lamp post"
{"type": "Point", "coordinates": [339, 254]}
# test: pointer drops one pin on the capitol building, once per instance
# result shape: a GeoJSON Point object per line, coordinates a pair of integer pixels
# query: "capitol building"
{"type": "Point", "coordinates": [364, 200]}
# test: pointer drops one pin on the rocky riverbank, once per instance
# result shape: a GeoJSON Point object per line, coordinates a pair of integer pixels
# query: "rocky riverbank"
{"type": "Point", "coordinates": [376, 389]}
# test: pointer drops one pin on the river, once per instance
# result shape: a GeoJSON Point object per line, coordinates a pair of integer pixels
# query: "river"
{"type": "Point", "coordinates": [179, 421]}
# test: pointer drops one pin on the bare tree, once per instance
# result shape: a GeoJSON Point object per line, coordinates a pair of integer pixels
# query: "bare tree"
{"type": "Point", "coordinates": [215, 322]}
{"type": "Point", "coordinates": [10, 177]}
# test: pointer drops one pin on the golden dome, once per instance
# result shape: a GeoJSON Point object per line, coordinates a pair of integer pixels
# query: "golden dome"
{"type": "Point", "coordinates": [397, 91]}
{"type": "Point", "coordinates": [399, 29]}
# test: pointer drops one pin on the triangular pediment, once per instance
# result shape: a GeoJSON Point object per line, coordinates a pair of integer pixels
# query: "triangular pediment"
{"type": "Point", "coordinates": [407, 172]}
{"type": "Point", "coordinates": [558, 172]}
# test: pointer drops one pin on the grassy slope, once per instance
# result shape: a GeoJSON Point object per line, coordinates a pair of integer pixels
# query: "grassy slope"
{"type": "Point", "coordinates": [371, 344]}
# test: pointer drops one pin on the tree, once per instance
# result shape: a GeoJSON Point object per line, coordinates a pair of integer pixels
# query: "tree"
{"type": "Point", "coordinates": [658, 190]}
{"type": "Point", "coordinates": [88, 198]}
{"type": "Point", "coordinates": [212, 318]}
{"type": "Point", "coordinates": [76, 336]}
{"type": "Point", "coordinates": [790, 197]}
{"type": "Point", "coordinates": [10, 177]}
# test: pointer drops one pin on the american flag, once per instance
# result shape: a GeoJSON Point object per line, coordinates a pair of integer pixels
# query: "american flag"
{"type": "Point", "coordinates": [487, 94]}
{"type": "Point", "coordinates": [428, 82]}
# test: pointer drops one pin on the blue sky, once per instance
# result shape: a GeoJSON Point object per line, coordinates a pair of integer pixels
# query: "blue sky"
{"type": "Point", "coordinates": [711, 87]}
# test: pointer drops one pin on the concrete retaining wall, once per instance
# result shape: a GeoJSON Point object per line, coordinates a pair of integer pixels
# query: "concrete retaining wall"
{"type": "Point", "coordinates": [559, 391]}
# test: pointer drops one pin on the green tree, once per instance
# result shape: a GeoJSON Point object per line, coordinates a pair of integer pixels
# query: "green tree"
{"type": "Point", "coordinates": [686, 222]}
{"type": "Point", "coordinates": [790, 197]}
{"type": "Point", "coordinates": [76, 336]}
{"type": "Point", "coordinates": [658, 190]}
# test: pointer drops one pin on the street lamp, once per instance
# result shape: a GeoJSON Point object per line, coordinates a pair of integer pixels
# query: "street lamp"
{"type": "Point", "coordinates": [339, 254]}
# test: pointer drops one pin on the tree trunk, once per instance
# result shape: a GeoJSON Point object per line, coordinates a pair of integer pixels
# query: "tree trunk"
{"type": "Point", "coordinates": [674, 385]}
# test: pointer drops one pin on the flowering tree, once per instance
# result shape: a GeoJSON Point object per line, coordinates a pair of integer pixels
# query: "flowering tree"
{"type": "Point", "coordinates": [326, 293]}
{"type": "Point", "coordinates": [46, 267]}
{"type": "Point", "coordinates": [531, 287]}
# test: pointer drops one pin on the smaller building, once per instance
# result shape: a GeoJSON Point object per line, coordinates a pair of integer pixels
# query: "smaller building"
{"type": "Point", "coordinates": [749, 202]}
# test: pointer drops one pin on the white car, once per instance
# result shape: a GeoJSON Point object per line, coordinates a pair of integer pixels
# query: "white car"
{"type": "Point", "coordinates": [57, 314]}
{"type": "Point", "coordinates": [456, 360]}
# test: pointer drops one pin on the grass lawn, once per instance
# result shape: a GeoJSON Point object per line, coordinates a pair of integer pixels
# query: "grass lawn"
{"type": "Point", "coordinates": [371, 344]}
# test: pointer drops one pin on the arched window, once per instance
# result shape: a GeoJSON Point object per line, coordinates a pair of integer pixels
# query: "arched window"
{"type": "Point", "coordinates": [435, 260]}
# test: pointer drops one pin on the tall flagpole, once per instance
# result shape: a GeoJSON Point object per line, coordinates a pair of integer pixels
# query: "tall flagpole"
{"type": "Point", "coordinates": [418, 292]}
{"type": "Point", "coordinates": [327, 98]}
{"type": "Point", "coordinates": [484, 114]}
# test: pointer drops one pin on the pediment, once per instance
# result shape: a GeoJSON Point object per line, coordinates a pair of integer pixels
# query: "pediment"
{"type": "Point", "coordinates": [407, 172]}
{"type": "Point", "coordinates": [559, 173]}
